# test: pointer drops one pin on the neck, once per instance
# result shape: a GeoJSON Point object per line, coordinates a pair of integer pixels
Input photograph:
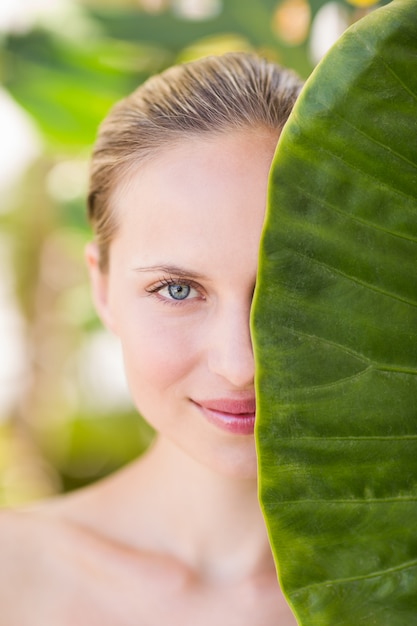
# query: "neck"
{"type": "Point", "coordinates": [211, 522]}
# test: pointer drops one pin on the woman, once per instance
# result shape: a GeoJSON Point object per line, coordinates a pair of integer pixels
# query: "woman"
{"type": "Point", "coordinates": [177, 202]}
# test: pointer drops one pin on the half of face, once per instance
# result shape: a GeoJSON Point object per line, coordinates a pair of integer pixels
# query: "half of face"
{"type": "Point", "coordinates": [179, 288]}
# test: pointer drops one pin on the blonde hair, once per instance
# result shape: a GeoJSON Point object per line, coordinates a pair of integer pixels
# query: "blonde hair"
{"type": "Point", "coordinates": [215, 94]}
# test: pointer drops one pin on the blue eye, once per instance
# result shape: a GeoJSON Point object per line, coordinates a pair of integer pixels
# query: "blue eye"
{"type": "Point", "coordinates": [178, 291]}
{"type": "Point", "coordinates": [174, 291]}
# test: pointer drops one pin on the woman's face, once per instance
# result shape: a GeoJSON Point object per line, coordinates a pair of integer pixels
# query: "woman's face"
{"type": "Point", "coordinates": [179, 289]}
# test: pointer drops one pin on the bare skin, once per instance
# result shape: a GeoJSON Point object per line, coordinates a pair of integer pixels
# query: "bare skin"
{"type": "Point", "coordinates": [101, 584]}
{"type": "Point", "coordinates": [177, 537]}
{"type": "Point", "coordinates": [131, 571]}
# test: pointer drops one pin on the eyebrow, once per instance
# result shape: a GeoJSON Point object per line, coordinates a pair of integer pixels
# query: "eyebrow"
{"type": "Point", "coordinates": [173, 270]}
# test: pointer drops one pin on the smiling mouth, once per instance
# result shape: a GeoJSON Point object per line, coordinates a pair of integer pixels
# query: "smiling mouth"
{"type": "Point", "coordinates": [234, 416]}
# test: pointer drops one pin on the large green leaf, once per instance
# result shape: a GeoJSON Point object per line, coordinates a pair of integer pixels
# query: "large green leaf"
{"type": "Point", "coordinates": [335, 332]}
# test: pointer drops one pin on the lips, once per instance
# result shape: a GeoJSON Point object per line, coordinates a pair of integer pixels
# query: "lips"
{"type": "Point", "coordinates": [236, 416]}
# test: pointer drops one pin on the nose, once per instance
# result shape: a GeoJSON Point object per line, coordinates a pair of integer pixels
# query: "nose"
{"type": "Point", "coordinates": [230, 353]}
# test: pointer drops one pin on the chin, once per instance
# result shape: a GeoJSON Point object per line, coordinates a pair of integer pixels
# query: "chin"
{"type": "Point", "coordinates": [233, 464]}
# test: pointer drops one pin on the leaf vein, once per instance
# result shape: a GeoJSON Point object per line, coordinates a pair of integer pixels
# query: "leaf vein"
{"type": "Point", "coordinates": [371, 139]}
{"type": "Point", "coordinates": [355, 218]}
{"type": "Point", "coordinates": [348, 579]}
{"type": "Point", "coordinates": [349, 500]}
{"type": "Point", "coordinates": [334, 344]}
{"type": "Point", "coordinates": [357, 280]}
{"type": "Point", "coordinates": [355, 438]}
{"type": "Point", "coordinates": [387, 66]}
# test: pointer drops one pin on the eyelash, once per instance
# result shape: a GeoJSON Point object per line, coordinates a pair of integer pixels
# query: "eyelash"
{"type": "Point", "coordinates": [167, 282]}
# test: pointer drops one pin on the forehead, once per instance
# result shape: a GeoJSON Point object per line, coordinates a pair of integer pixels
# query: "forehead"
{"type": "Point", "coordinates": [210, 189]}
{"type": "Point", "coordinates": [197, 160]}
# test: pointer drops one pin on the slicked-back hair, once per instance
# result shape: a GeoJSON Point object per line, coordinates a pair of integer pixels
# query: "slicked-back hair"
{"type": "Point", "coordinates": [215, 94]}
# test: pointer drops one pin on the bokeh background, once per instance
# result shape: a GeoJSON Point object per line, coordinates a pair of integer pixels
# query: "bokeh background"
{"type": "Point", "coordinates": [65, 414]}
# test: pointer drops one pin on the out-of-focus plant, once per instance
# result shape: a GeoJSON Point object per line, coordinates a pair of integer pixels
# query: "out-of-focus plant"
{"type": "Point", "coordinates": [70, 421]}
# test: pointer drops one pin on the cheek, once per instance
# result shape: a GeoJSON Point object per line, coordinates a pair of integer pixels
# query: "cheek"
{"type": "Point", "coordinates": [158, 355]}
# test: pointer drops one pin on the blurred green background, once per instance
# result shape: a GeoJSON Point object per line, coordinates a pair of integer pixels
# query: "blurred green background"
{"type": "Point", "coordinates": [65, 414]}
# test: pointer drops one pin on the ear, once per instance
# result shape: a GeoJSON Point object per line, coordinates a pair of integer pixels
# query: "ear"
{"type": "Point", "coordinates": [99, 281]}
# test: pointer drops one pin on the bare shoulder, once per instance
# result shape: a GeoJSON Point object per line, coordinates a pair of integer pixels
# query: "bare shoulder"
{"type": "Point", "coordinates": [151, 584]}
{"type": "Point", "coordinates": [88, 524]}
{"type": "Point", "coordinates": [136, 585]}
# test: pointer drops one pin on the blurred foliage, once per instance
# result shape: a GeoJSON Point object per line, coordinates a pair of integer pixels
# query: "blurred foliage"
{"type": "Point", "coordinates": [62, 431]}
